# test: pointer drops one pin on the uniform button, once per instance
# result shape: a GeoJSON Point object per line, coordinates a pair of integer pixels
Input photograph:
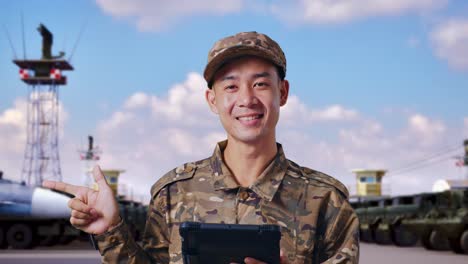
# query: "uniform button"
{"type": "Point", "coordinates": [188, 168]}
{"type": "Point", "coordinates": [244, 195]}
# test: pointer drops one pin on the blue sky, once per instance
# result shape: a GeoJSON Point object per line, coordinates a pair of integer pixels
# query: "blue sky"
{"type": "Point", "coordinates": [379, 83]}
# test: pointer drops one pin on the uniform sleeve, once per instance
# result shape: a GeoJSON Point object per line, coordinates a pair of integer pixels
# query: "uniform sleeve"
{"type": "Point", "coordinates": [341, 236]}
{"type": "Point", "coordinates": [118, 245]}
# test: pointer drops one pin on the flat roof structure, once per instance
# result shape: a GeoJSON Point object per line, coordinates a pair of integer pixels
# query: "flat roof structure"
{"type": "Point", "coordinates": [34, 64]}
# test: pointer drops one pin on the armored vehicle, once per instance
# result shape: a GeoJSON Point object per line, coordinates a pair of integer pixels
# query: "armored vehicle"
{"type": "Point", "coordinates": [438, 220]}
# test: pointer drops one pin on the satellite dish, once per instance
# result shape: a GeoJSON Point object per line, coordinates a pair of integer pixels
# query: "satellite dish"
{"type": "Point", "coordinates": [440, 186]}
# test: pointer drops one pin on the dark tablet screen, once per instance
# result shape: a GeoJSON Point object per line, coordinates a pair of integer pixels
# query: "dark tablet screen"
{"type": "Point", "coordinates": [227, 243]}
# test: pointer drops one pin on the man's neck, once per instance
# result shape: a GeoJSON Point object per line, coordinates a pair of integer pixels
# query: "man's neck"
{"type": "Point", "coordinates": [248, 161]}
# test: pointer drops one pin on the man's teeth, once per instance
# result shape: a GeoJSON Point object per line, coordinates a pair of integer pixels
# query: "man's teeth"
{"type": "Point", "coordinates": [248, 118]}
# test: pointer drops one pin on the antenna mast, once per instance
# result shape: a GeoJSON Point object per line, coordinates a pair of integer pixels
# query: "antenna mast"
{"type": "Point", "coordinates": [22, 33]}
{"type": "Point", "coordinates": [43, 77]}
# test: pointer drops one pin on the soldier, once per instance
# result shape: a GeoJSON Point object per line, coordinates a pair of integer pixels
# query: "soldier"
{"type": "Point", "coordinates": [247, 180]}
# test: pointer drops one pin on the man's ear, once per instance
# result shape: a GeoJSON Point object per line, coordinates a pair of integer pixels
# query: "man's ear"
{"type": "Point", "coordinates": [211, 99]}
{"type": "Point", "coordinates": [284, 92]}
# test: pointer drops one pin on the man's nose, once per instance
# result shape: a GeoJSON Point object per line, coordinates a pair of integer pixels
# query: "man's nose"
{"type": "Point", "coordinates": [246, 97]}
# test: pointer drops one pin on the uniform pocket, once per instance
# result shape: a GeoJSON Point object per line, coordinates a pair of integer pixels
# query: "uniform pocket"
{"type": "Point", "coordinates": [305, 242]}
{"type": "Point", "coordinates": [298, 236]}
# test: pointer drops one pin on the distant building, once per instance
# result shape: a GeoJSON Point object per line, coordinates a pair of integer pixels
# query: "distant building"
{"type": "Point", "coordinates": [369, 182]}
{"type": "Point", "coordinates": [112, 178]}
{"type": "Point", "coordinates": [443, 185]}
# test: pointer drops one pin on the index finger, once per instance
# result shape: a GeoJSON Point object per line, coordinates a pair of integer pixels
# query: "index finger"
{"type": "Point", "coordinates": [99, 177]}
{"type": "Point", "coordinates": [61, 186]}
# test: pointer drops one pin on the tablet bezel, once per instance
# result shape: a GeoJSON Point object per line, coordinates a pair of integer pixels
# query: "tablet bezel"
{"type": "Point", "coordinates": [227, 243]}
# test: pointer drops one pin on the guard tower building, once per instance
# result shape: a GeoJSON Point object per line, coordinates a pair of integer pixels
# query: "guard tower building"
{"type": "Point", "coordinates": [112, 178]}
{"type": "Point", "coordinates": [369, 182]}
{"type": "Point", "coordinates": [43, 77]}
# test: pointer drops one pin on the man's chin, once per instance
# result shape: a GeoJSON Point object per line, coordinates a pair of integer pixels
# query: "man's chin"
{"type": "Point", "coordinates": [249, 138]}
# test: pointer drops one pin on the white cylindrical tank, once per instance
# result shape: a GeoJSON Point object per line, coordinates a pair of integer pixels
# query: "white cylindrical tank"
{"type": "Point", "coordinates": [49, 204]}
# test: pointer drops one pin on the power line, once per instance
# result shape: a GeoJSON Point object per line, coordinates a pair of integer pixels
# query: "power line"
{"type": "Point", "coordinates": [78, 40]}
{"type": "Point", "coordinates": [419, 166]}
{"type": "Point", "coordinates": [24, 41]}
{"type": "Point", "coordinates": [426, 159]}
{"type": "Point", "coordinates": [11, 43]}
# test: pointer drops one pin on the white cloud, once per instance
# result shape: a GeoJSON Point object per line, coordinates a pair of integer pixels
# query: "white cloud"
{"type": "Point", "coordinates": [137, 100]}
{"type": "Point", "coordinates": [155, 15]}
{"type": "Point", "coordinates": [185, 102]}
{"type": "Point", "coordinates": [341, 11]}
{"type": "Point", "coordinates": [402, 152]}
{"type": "Point", "coordinates": [117, 119]}
{"type": "Point", "coordinates": [152, 134]}
{"type": "Point", "coordinates": [334, 112]}
{"type": "Point", "coordinates": [13, 133]}
{"type": "Point", "coordinates": [296, 113]}
{"type": "Point", "coordinates": [424, 129]}
{"type": "Point", "coordinates": [450, 41]}
{"type": "Point", "coordinates": [13, 127]}
{"type": "Point", "coordinates": [422, 124]}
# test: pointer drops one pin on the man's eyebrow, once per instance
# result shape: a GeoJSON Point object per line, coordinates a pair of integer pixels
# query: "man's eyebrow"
{"type": "Point", "coordinates": [261, 74]}
{"type": "Point", "coordinates": [228, 77]}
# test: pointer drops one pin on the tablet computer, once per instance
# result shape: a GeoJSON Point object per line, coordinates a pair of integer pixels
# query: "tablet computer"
{"type": "Point", "coordinates": [204, 243]}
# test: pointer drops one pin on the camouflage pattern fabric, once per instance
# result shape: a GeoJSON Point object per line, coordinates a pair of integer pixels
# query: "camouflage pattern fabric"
{"type": "Point", "coordinates": [318, 224]}
{"type": "Point", "coordinates": [243, 44]}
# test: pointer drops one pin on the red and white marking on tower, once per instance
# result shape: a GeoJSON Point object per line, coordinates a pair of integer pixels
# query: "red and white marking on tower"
{"type": "Point", "coordinates": [55, 74]}
{"type": "Point", "coordinates": [24, 74]}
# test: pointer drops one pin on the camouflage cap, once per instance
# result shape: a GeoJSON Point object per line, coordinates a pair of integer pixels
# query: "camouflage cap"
{"type": "Point", "coordinates": [242, 44]}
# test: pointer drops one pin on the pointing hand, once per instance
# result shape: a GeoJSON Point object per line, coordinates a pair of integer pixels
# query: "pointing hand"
{"type": "Point", "coordinates": [94, 212]}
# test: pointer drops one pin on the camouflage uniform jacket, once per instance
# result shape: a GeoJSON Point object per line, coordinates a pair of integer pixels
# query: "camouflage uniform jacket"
{"type": "Point", "coordinates": [318, 224]}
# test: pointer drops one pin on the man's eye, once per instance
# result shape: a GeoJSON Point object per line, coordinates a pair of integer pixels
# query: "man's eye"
{"type": "Point", "coordinates": [230, 87]}
{"type": "Point", "coordinates": [261, 84]}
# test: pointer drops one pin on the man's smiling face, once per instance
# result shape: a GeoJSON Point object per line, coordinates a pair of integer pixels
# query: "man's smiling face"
{"type": "Point", "coordinates": [247, 94]}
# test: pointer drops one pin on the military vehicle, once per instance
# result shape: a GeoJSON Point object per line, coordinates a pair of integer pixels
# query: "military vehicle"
{"type": "Point", "coordinates": [446, 224]}
{"type": "Point", "coordinates": [134, 214]}
{"type": "Point", "coordinates": [438, 220]}
{"type": "Point", "coordinates": [31, 216]}
{"type": "Point", "coordinates": [34, 216]}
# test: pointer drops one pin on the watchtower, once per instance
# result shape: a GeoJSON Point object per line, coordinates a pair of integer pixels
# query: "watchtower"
{"type": "Point", "coordinates": [89, 157]}
{"type": "Point", "coordinates": [112, 178]}
{"type": "Point", "coordinates": [43, 77]}
{"type": "Point", "coordinates": [369, 182]}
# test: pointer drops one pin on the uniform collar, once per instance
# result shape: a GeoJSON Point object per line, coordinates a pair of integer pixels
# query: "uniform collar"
{"type": "Point", "coordinates": [266, 184]}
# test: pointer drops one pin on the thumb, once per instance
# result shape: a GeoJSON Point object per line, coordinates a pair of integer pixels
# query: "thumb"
{"type": "Point", "coordinates": [283, 258]}
{"type": "Point", "coordinates": [99, 178]}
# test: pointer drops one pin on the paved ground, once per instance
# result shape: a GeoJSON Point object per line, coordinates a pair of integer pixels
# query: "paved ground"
{"type": "Point", "coordinates": [372, 254]}
{"type": "Point", "coordinates": [80, 253]}
{"type": "Point", "coordinates": [50, 257]}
